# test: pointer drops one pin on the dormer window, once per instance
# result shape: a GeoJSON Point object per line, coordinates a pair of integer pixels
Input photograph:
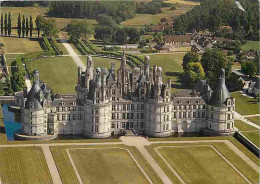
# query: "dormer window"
{"type": "Point", "coordinates": [179, 102]}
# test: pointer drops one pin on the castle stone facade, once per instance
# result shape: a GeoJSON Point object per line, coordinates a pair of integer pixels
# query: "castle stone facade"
{"type": "Point", "coordinates": [109, 101]}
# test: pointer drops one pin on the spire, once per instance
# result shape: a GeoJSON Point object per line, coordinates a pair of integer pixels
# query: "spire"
{"type": "Point", "coordinates": [221, 92]}
{"type": "Point", "coordinates": [147, 65]}
{"type": "Point", "coordinates": [123, 60]}
{"type": "Point", "coordinates": [89, 61]}
{"type": "Point", "coordinates": [35, 76]}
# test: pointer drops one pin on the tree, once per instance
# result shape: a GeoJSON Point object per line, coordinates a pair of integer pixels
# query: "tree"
{"type": "Point", "coordinates": [27, 27]}
{"type": "Point", "coordinates": [17, 81]}
{"type": "Point", "coordinates": [194, 73]}
{"type": "Point", "coordinates": [190, 57]}
{"type": "Point", "coordinates": [103, 33]}
{"type": "Point", "coordinates": [133, 34]}
{"type": "Point", "coordinates": [213, 60]}
{"type": "Point", "coordinates": [249, 68]}
{"type": "Point", "coordinates": [39, 21]}
{"type": "Point", "coordinates": [9, 24]}
{"type": "Point", "coordinates": [79, 29]}
{"type": "Point", "coordinates": [1, 89]}
{"type": "Point", "coordinates": [23, 26]}
{"type": "Point", "coordinates": [31, 26]}
{"type": "Point", "coordinates": [19, 27]}
{"type": "Point", "coordinates": [121, 36]}
{"type": "Point", "coordinates": [105, 20]}
{"type": "Point", "coordinates": [2, 24]}
{"type": "Point", "coordinates": [6, 24]}
{"type": "Point", "coordinates": [49, 28]}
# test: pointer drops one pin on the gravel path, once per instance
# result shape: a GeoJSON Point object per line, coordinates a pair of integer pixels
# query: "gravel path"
{"type": "Point", "coordinates": [74, 55]}
{"type": "Point", "coordinates": [242, 118]}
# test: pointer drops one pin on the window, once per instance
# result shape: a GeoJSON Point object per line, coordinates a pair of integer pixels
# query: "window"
{"type": "Point", "coordinates": [123, 124]}
{"type": "Point", "coordinates": [117, 115]}
{"type": "Point", "coordinates": [212, 108]}
{"type": "Point", "coordinates": [124, 107]}
{"type": "Point", "coordinates": [194, 114]}
{"type": "Point", "coordinates": [142, 115]}
{"type": "Point", "coordinates": [128, 107]}
{"type": "Point", "coordinates": [198, 114]}
{"type": "Point", "coordinates": [132, 115]}
{"type": "Point", "coordinates": [112, 125]}
{"type": "Point", "coordinates": [97, 94]}
{"type": "Point", "coordinates": [189, 114]}
{"type": "Point", "coordinates": [63, 108]}
{"type": "Point", "coordinates": [128, 116]}
{"type": "Point", "coordinates": [228, 126]}
{"type": "Point", "coordinates": [63, 116]}
{"type": "Point", "coordinates": [113, 115]}
{"type": "Point", "coordinates": [97, 101]}
{"type": "Point", "coordinates": [137, 106]}
{"type": "Point", "coordinates": [96, 128]}
{"type": "Point", "coordinates": [184, 115]}
{"type": "Point", "coordinates": [113, 98]}
{"type": "Point", "coordinates": [96, 119]}
{"type": "Point", "coordinates": [113, 92]}
{"type": "Point", "coordinates": [228, 116]}
{"type": "Point", "coordinates": [74, 116]}
{"type": "Point", "coordinates": [168, 109]}
{"type": "Point", "coordinates": [57, 109]}
{"type": "Point", "coordinates": [164, 109]}
{"type": "Point", "coordinates": [167, 126]}
{"type": "Point", "coordinates": [142, 106]}
{"type": "Point", "coordinates": [79, 117]}
{"type": "Point", "coordinates": [229, 109]}
{"type": "Point", "coordinates": [211, 115]}
{"type": "Point", "coordinates": [132, 107]}
{"type": "Point", "coordinates": [113, 107]}
{"type": "Point", "coordinates": [203, 114]}
{"type": "Point", "coordinates": [179, 114]}
{"type": "Point", "coordinates": [174, 115]}
{"type": "Point", "coordinates": [194, 106]}
{"type": "Point", "coordinates": [80, 108]}
{"type": "Point", "coordinates": [74, 108]}
{"type": "Point", "coordinates": [168, 118]}
{"type": "Point", "coordinates": [58, 117]}
{"type": "Point", "coordinates": [142, 91]}
{"type": "Point", "coordinates": [68, 116]}
{"type": "Point", "coordinates": [131, 125]}
{"type": "Point", "coordinates": [124, 116]}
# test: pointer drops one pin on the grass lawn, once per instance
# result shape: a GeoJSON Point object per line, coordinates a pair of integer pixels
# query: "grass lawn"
{"type": "Point", "coordinates": [102, 62]}
{"type": "Point", "coordinates": [202, 164]}
{"type": "Point", "coordinates": [60, 73]}
{"type": "Point", "coordinates": [117, 166]}
{"type": "Point", "coordinates": [171, 65]}
{"type": "Point", "coordinates": [23, 165]}
{"type": "Point", "coordinates": [255, 120]}
{"type": "Point", "coordinates": [192, 164]}
{"type": "Point", "coordinates": [148, 19]}
{"type": "Point", "coordinates": [19, 45]}
{"type": "Point", "coordinates": [243, 126]}
{"type": "Point", "coordinates": [254, 137]}
{"type": "Point", "coordinates": [251, 45]}
{"type": "Point", "coordinates": [62, 48]}
{"type": "Point", "coordinates": [108, 165]}
{"type": "Point", "coordinates": [245, 105]}
{"type": "Point", "coordinates": [186, 2]}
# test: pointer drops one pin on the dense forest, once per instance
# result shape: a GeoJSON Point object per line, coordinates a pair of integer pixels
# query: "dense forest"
{"type": "Point", "coordinates": [213, 13]}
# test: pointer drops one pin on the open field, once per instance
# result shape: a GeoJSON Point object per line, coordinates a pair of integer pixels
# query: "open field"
{"type": "Point", "coordinates": [251, 45]}
{"type": "Point", "coordinates": [19, 45]}
{"type": "Point", "coordinates": [254, 137]}
{"type": "Point", "coordinates": [244, 105]}
{"type": "Point", "coordinates": [23, 165]}
{"type": "Point", "coordinates": [102, 166]}
{"type": "Point", "coordinates": [60, 73]}
{"type": "Point", "coordinates": [202, 163]}
{"type": "Point", "coordinates": [148, 19]}
{"type": "Point", "coordinates": [243, 126]}
{"type": "Point", "coordinates": [171, 65]}
{"type": "Point", "coordinates": [255, 120]}
{"type": "Point", "coordinates": [194, 3]}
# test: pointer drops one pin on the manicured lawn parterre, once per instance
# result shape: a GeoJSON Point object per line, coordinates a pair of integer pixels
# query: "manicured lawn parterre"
{"type": "Point", "coordinates": [109, 165]}
{"type": "Point", "coordinates": [251, 45]}
{"type": "Point", "coordinates": [20, 45]}
{"type": "Point", "coordinates": [60, 73]}
{"type": "Point", "coordinates": [254, 137]}
{"type": "Point", "coordinates": [117, 166]}
{"type": "Point", "coordinates": [192, 163]}
{"type": "Point", "coordinates": [202, 164]}
{"type": "Point", "coordinates": [23, 165]}
{"type": "Point", "coordinates": [255, 119]}
{"type": "Point", "coordinates": [245, 105]}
